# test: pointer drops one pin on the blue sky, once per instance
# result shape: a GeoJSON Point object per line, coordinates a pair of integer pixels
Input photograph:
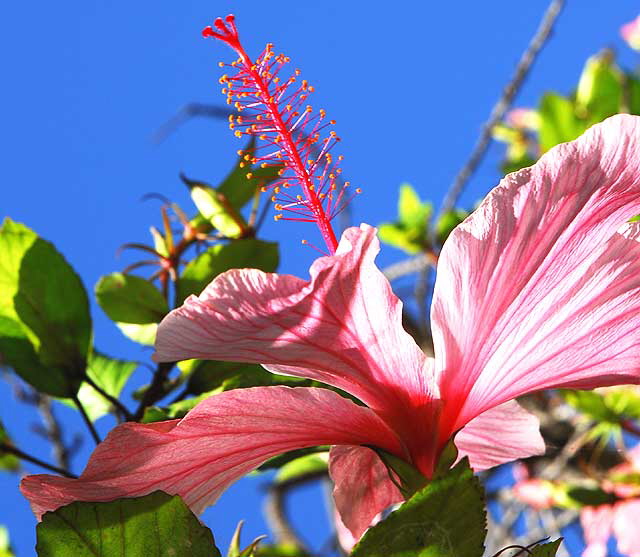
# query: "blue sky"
{"type": "Point", "coordinates": [88, 83]}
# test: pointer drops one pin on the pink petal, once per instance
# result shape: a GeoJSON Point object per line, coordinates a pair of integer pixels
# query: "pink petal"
{"type": "Point", "coordinates": [222, 439]}
{"type": "Point", "coordinates": [504, 433]}
{"type": "Point", "coordinates": [535, 492]}
{"type": "Point", "coordinates": [625, 527]}
{"type": "Point", "coordinates": [342, 328]}
{"type": "Point", "coordinates": [363, 488]}
{"type": "Point", "coordinates": [540, 287]}
{"type": "Point", "coordinates": [596, 525]}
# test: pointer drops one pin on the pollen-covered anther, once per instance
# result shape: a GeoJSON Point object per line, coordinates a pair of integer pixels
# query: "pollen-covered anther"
{"type": "Point", "coordinates": [242, 165]}
{"type": "Point", "coordinates": [277, 206]}
{"type": "Point", "coordinates": [249, 175]}
{"type": "Point", "coordinates": [264, 165]}
{"type": "Point", "coordinates": [237, 133]}
{"type": "Point", "coordinates": [264, 189]}
{"type": "Point", "coordinates": [358, 190]}
{"type": "Point", "coordinates": [277, 217]}
{"type": "Point", "coordinates": [323, 113]}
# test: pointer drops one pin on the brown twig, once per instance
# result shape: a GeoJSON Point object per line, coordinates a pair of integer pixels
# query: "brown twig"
{"type": "Point", "coordinates": [508, 93]}
{"type": "Point", "coordinates": [10, 449]}
{"type": "Point", "coordinates": [155, 391]}
{"type": "Point", "coordinates": [87, 419]}
{"type": "Point", "coordinates": [113, 400]}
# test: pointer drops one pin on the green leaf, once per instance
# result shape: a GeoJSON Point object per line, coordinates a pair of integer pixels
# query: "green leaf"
{"type": "Point", "coordinates": [214, 205]}
{"type": "Point", "coordinates": [245, 253]}
{"type": "Point", "coordinates": [17, 351]}
{"type": "Point", "coordinates": [5, 547]}
{"type": "Point", "coordinates": [157, 525]}
{"type": "Point", "coordinates": [412, 213]}
{"type": "Point", "coordinates": [237, 188]}
{"type": "Point", "coordinates": [315, 463]}
{"type": "Point", "coordinates": [396, 236]}
{"type": "Point", "coordinates": [592, 404]}
{"type": "Point", "coordinates": [143, 334]}
{"type": "Point", "coordinates": [448, 221]}
{"type": "Point", "coordinates": [290, 456]}
{"type": "Point", "coordinates": [110, 375]}
{"type": "Point", "coordinates": [8, 462]}
{"type": "Point", "coordinates": [558, 121]}
{"type": "Point", "coordinates": [209, 375]}
{"type": "Point", "coordinates": [130, 299]}
{"type": "Point", "coordinates": [44, 310]}
{"type": "Point", "coordinates": [409, 232]}
{"type": "Point", "coordinates": [445, 519]}
{"type": "Point", "coordinates": [546, 549]}
{"type": "Point", "coordinates": [599, 93]}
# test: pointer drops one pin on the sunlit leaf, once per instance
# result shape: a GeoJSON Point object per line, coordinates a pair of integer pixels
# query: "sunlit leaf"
{"type": "Point", "coordinates": [245, 253]}
{"type": "Point", "coordinates": [307, 465]}
{"type": "Point", "coordinates": [5, 547]}
{"type": "Point", "coordinates": [157, 525]}
{"type": "Point", "coordinates": [130, 299]}
{"type": "Point", "coordinates": [558, 121]}
{"type": "Point", "coordinates": [110, 374]}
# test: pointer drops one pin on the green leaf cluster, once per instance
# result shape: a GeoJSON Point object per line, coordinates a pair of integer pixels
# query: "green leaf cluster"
{"type": "Point", "coordinates": [409, 232]}
{"type": "Point", "coordinates": [603, 90]}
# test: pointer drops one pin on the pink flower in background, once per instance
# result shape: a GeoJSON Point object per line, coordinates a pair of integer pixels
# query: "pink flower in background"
{"type": "Point", "coordinates": [600, 522]}
{"type": "Point", "coordinates": [631, 33]}
{"type": "Point", "coordinates": [523, 118]}
{"type": "Point", "coordinates": [619, 519]}
{"type": "Point", "coordinates": [539, 288]}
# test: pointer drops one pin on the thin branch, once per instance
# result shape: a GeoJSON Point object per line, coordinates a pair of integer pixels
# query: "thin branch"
{"type": "Point", "coordinates": [10, 449]}
{"type": "Point", "coordinates": [113, 400]}
{"type": "Point", "coordinates": [274, 509]}
{"type": "Point", "coordinates": [53, 431]}
{"type": "Point", "coordinates": [86, 419]}
{"type": "Point", "coordinates": [155, 390]}
{"type": "Point", "coordinates": [509, 92]}
{"type": "Point", "coordinates": [411, 265]}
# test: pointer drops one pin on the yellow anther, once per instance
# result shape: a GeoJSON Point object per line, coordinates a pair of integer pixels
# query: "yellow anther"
{"type": "Point", "coordinates": [333, 134]}
{"type": "Point", "coordinates": [277, 206]}
{"type": "Point", "coordinates": [221, 64]}
{"type": "Point", "coordinates": [358, 190]}
{"type": "Point", "coordinates": [311, 89]}
{"type": "Point", "coordinates": [264, 165]}
{"type": "Point", "coordinates": [249, 175]}
{"type": "Point", "coordinates": [276, 189]}
{"type": "Point", "coordinates": [277, 217]}
{"type": "Point", "coordinates": [242, 165]}
{"type": "Point", "coordinates": [281, 172]}
{"type": "Point", "coordinates": [263, 137]}
{"type": "Point", "coordinates": [299, 197]}
{"type": "Point", "coordinates": [340, 157]}
{"type": "Point", "coordinates": [332, 122]}
{"type": "Point", "coordinates": [240, 152]}
{"type": "Point", "coordinates": [308, 109]}
{"type": "Point", "coordinates": [323, 113]}
{"type": "Point", "coordinates": [238, 133]}
{"type": "Point", "coordinates": [296, 71]}
{"type": "Point", "coordinates": [288, 107]}
{"type": "Point", "coordinates": [264, 189]}
{"type": "Point", "coordinates": [247, 157]}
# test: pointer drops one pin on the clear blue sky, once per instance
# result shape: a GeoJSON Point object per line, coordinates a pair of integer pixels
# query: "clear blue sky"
{"type": "Point", "coordinates": [87, 84]}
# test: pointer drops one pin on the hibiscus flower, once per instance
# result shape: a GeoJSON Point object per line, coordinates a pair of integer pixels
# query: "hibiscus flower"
{"type": "Point", "coordinates": [539, 288]}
